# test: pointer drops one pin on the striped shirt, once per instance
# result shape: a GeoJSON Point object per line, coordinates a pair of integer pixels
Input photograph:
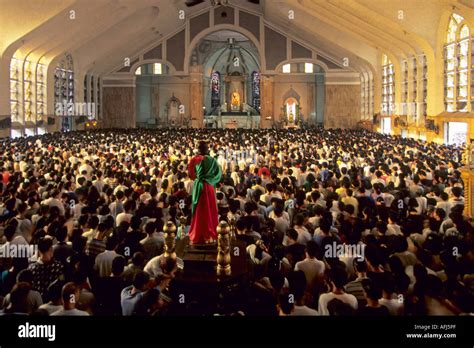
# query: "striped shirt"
{"type": "Point", "coordinates": [95, 247]}
{"type": "Point", "coordinates": [355, 288]}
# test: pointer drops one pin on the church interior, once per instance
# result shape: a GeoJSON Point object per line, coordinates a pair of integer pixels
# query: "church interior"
{"type": "Point", "coordinates": [244, 64]}
{"type": "Point", "coordinates": [125, 123]}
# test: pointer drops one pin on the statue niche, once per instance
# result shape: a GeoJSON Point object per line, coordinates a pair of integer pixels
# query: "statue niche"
{"type": "Point", "coordinates": [235, 87]}
{"type": "Point", "coordinates": [173, 117]}
{"type": "Point", "coordinates": [291, 111]}
{"type": "Point", "coordinates": [235, 102]}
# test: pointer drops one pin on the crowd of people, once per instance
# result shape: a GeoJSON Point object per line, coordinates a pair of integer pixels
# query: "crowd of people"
{"type": "Point", "coordinates": [336, 222]}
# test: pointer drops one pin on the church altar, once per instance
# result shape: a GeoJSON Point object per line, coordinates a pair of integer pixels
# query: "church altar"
{"type": "Point", "coordinates": [233, 124]}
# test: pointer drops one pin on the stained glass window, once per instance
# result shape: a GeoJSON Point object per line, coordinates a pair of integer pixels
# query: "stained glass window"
{"type": "Point", "coordinates": [16, 90]}
{"type": "Point", "coordinates": [64, 92]}
{"type": "Point", "coordinates": [256, 90]}
{"type": "Point", "coordinates": [457, 75]}
{"type": "Point", "coordinates": [215, 89]}
{"type": "Point", "coordinates": [388, 87]}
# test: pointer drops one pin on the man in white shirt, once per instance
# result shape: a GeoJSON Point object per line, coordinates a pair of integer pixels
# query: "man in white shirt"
{"type": "Point", "coordinates": [103, 261]}
{"type": "Point", "coordinates": [120, 186]}
{"type": "Point", "coordinates": [444, 203]}
{"type": "Point", "coordinates": [188, 184]}
{"type": "Point", "coordinates": [297, 282]}
{"type": "Point", "coordinates": [54, 294]}
{"type": "Point", "coordinates": [349, 199]}
{"type": "Point", "coordinates": [393, 229]}
{"type": "Point", "coordinates": [338, 278]}
{"type": "Point", "coordinates": [389, 299]}
{"type": "Point", "coordinates": [24, 227]}
{"type": "Point", "coordinates": [86, 167]}
{"type": "Point", "coordinates": [98, 182]}
{"type": "Point", "coordinates": [422, 202]}
{"type": "Point", "coordinates": [54, 201]}
{"type": "Point", "coordinates": [116, 207]}
{"type": "Point", "coordinates": [127, 215]}
{"type": "Point", "coordinates": [312, 268]}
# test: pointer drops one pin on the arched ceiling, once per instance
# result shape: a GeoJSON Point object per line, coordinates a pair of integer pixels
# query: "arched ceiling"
{"type": "Point", "coordinates": [104, 32]}
{"type": "Point", "coordinates": [224, 35]}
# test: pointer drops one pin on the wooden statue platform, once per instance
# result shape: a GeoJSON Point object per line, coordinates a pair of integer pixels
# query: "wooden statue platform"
{"type": "Point", "coordinates": [197, 289]}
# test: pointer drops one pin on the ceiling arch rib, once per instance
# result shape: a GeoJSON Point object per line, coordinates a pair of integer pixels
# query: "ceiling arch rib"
{"type": "Point", "coordinates": [344, 23]}
{"type": "Point", "coordinates": [115, 56]}
{"type": "Point", "coordinates": [111, 53]}
{"type": "Point", "coordinates": [404, 33]}
{"type": "Point", "coordinates": [33, 14]}
{"type": "Point", "coordinates": [324, 38]}
{"type": "Point", "coordinates": [337, 53]}
{"type": "Point", "coordinates": [78, 37]}
{"type": "Point", "coordinates": [387, 35]}
{"type": "Point", "coordinates": [119, 35]}
{"type": "Point", "coordinates": [47, 33]}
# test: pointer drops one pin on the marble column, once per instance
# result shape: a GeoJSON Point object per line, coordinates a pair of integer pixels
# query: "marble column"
{"type": "Point", "coordinates": [267, 114]}
{"type": "Point", "coordinates": [196, 97]}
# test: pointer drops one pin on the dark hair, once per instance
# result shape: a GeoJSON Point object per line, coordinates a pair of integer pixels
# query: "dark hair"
{"type": "Point", "coordinates": [277, 280]}
{"type": "Point", "coordinates": [118, 265]}
{"type": "Point", "coordinates": [140, 279]}
{"type": "Point", "coordinates": [69, 290]}
{"type": "Point", "coordinates": [371, 289]}
{"type": "Point", "coordinates": [312, 248]}
{"type": "Point", "coordinates": [203, 148]}
{"type": "Point", "coordinates": [285, 303]}
{"type": "Point", "coordinates": [297, 280]}
{"type": "Point", "coordinates": [138, 258]}
{"type": "Point", "coordinates": [168, 264]}
{"type": "Point", "coordinates": [338, 308]}
{"type": "Point", "coordinates": [19, 298]}
{"type": "Point", "coordinates": [25, 276]}
{"type": "Point", "coordinates": [388, 283]}
{"type": "Point", "coordinates": [54, 290]}
{"type": "Point", "coordinates": [360, 265]}
{"type": "Point", "coordinates": [291, 233]}
{"type": "Point", "coordinates": [338, 276]}
{"type": "Point", "coordinates": [45, 244]}
{"type": "Point", "coordinates": [9, 232]}
{"type": "Point", "coordinates": [61, 233]}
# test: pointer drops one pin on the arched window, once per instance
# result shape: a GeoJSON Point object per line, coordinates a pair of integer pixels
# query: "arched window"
{"type": "Point", "coordinates": [16, 80]}
{"type": "Point", "coordinates": [457, 74]}
{"type": "Point", "coordinates": [388, 87]}
{"type": "Point", "coordinates": [27, 95]}
{"type": "Point", "coordinates": [256, 90]}
{"type": "Point", "coordinates": [64, 92]}
{"type": "Point", "coordinates": [215, 89]}
{"type": "Point", "coordinates": [40, 94]}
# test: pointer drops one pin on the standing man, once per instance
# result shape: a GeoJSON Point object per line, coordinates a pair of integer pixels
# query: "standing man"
{"type": "Point", "coordinates": [206, 173]}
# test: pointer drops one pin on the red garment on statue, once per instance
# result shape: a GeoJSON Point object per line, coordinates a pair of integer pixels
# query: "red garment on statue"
{"type": "Point", "coordinates": [204, 221]}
